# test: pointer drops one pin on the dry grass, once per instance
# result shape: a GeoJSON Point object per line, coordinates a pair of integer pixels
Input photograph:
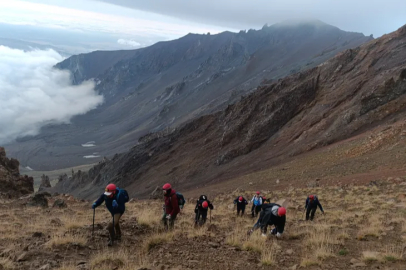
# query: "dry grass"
{"type": "Point", "coordinates": [108, 259]}
{"type": "Point", "coordinates": [74, 222]}
{"type": "Point", "coordinates": [67, 239]}
{"type": "Point", "coordinates": [6, 264]}
{"type": "Point", "coordinates": [67, 267]}
{"type": "Point", "coordinates": [236, 236]}
{"type": "Point", "coordinates": [255, 243]}
{"type": "Point", "coordinates": [146, 216]}
{"type": "Point", "coordinates": [393, 253]}
{"type": "Point", "coordinates": [373, 227]}
{"type": "Point", "coordinates": [370, 256]}
{"type": "Point", "coordinates": [307, 262]}
{"type": "Point", "coordinates": [156, 240]}
{"type": "Point", "coordinates": [195, 232]}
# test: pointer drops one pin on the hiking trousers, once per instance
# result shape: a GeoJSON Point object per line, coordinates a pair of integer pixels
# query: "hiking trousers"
{"type": "Point", "coordinates": [240, 209]}
{"type": "Point", "coordinates": [255, 210]}
{"type": "Point", "coordinates": [168, 223]}
{"type": "Point", "coordinates": [114, 229]}
{"type": "Point", "coordinates": [310, 212]}
{"type": "Point", "coordinates": [202, 215]}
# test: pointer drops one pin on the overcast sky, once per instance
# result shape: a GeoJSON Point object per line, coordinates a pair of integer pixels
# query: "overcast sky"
{"type": "Point", "coordinates": [116, 24]}
{"type": "Point", "coordinates": [368, 16]}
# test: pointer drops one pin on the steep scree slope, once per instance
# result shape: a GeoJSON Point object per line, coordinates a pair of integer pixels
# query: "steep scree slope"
{"type": "Point", "coordinates": [171, 82]}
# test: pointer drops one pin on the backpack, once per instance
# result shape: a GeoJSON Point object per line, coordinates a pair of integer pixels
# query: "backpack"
{"type": "Point", "coordinates": [181, 199]}
{"type": "Point", "coordinates": [123, 192]}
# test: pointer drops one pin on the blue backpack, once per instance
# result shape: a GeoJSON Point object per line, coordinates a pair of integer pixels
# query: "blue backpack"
{"type": "Point", "coordinates": [123, 192]}
{"type": "Point", "coordinates": [181, 199]}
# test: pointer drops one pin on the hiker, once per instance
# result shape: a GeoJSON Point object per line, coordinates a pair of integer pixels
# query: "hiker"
{"type": "Point", "coordinates": [256, 204]}
{"type": "Point", "coordinates": [171, 207]}
{"type": "Point", "coordinates": [202, 206]}
{"type": "Point", "coordinates": [241, 203]}
{"type": "Point", "coordinates": [311, 206]}
{"type": "Point", "coordinates": [115, 200]}
{"type": "Point", "coordinates": [181, 201]}
{"type": "Point", "coordinates": [271, 214]}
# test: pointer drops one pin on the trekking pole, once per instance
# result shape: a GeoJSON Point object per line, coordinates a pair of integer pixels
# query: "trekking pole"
{"type": "Point", "coordinates": [114, 232]}
{"type": "Point", "coordinates": [94, 214]}
{"type": "Point", "coordinates": [210, 215]}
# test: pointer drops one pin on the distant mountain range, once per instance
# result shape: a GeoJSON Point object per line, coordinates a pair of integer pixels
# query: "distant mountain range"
{"type": "Point", "coordinates": [162, 86]}
{"type": "Point", "coordinates": [344, 118]}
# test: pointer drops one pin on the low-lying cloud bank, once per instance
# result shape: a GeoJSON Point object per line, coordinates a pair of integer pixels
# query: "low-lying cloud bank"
{"type": "Point", "coordinates": [34, 94]}
{"type": "Point", "coordinates": [129, 42]}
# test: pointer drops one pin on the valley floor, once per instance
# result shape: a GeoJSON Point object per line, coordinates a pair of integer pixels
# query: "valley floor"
{"type": "Point", "coordinates": [363, 227]}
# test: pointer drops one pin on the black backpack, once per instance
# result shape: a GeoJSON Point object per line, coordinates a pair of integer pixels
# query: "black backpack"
{"type": "Point", "coordinates": [123, 192]}
{"type": "Point", "coordinates": [181, 199]}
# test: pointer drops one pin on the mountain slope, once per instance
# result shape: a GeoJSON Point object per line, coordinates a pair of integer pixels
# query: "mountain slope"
{"type": "Point", "coordinates": [345, 96]}
{"type": "Point", "coordinates": [172, 82]}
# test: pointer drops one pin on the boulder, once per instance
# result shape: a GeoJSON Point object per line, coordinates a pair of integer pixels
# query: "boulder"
{"type": "Point", "coordinates": [56, 222]}
{"type": "Point", "coordinates": [60, 204]}
{"type": "Point", "coordinates": [156, 194]}
{"type": "Point", "coordinates": [38, 200]}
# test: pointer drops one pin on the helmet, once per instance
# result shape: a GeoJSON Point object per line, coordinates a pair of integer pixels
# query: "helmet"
{"type": "Point", "coordinates": [167, 186]}
{"type": "Point", "coordinates": [311, 197]}
{"type": "Point", "coordinates": [205, 204]}
{"type": "Point", "coordinates": [110, 189]}
{"type": "Point", "coordinates": [240, 199]}
{"type": "Point", "coordinates": [258, 192]}
{"type": "Point", "coordinates": [281, 211]}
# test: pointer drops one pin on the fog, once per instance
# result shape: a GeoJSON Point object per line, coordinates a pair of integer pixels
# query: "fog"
{"type": "Point", "coordinates": [366, 16]}
{"type": "Point", "coordinates": [34, 94]}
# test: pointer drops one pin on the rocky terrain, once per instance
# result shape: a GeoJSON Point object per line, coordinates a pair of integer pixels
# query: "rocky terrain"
{"type": "Point", "coordinates": [354, 233]}
{"type": "Point", "coordinates": [12, 183]}
{"type": "Point", "coordinates": [358, 93]}
{"type": "Point", "coordinates": [162, 86]}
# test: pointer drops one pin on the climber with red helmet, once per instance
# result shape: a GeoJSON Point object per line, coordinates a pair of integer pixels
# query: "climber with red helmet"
{"type": "Point", "coordinates": [241, 203]}
{"type": "Point", "coordinates": [256, 204]}
{"type": "Point", "coordinates": [201, 209]}
{"type": "Point", "coordinates": [115, 199]}
{"type": "Point", "coordinates": [171, 206]}
{"type": "Point", "coordinates": [271, 214]}
{"type": "Point", "coordinates": [311, 206]}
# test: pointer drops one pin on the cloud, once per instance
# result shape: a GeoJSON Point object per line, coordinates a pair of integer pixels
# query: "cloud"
{"type": "Point", "coordinates": [34, 94]}
{"type": "Point", "coordinates": [128, 42]}
{"type": "Point", "coordinates": [366, 16]}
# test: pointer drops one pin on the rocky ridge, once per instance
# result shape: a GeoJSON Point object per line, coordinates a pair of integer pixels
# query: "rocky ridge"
{"type": "Point", "coordinates": [12, 183]}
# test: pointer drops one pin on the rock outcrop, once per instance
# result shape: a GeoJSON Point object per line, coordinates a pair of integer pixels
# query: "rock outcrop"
{"type": "Point", "coordinates": [45, 183]}
{"type": "Point", "coordinates": [12, 183]}
{"type": "Point", "coordinates": [38, 200]}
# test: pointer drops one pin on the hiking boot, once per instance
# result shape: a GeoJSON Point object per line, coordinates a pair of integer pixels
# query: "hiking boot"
{"type": "Point", "coordinates": [110, 243]}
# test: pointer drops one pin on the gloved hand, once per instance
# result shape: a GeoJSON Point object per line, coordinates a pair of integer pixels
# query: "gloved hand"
{"type": "Point", "coordinates": [115, 204]}
{"type": "Point", "coordinates": [168, 217]}
{"type": "Point", "coordinates": [279, 235]}
{"type": "Point", "coordinates": [94, 206]}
